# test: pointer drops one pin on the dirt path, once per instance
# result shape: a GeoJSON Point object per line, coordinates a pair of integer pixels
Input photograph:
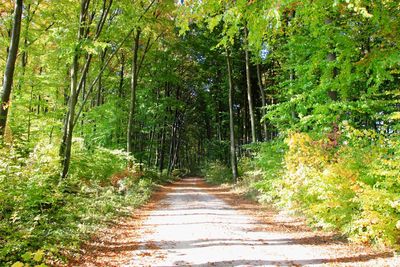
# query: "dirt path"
{"type": "Point", "coordinates": [190, 224]}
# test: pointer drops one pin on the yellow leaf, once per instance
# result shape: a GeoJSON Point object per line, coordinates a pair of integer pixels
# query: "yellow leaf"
{"type": "Point", "coordinates": [18, 264]}
{"type": "Point", "coordinates": [38, 256]}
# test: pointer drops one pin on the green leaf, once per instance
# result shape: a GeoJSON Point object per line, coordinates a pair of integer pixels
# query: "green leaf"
{"type": "Point", "coordinates": [38, 255]}
{"type": "Point", "coordinates": [27, 256]}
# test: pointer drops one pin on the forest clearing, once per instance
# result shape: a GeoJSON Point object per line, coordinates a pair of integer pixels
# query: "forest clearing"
{"type": "Point", "coordinates": [288, 110]}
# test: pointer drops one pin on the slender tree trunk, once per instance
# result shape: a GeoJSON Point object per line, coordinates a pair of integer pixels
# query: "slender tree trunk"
{"type": "Point", "coordinates": [24, 55]}
{"type": "Point", "coordinates": [249, 92]}
{"type": "Point", "coordinates": [10, 66]}
{"type": "Point", "coordinates": [100, 96]}
{"type": "Point", "coordinates": [71, 117]}
{"type": "Point", "coordinates": [66, 146]}
{"type": "Point", "coordinates": [263, 100]}
{"type": "Point", "coordinates": [231, 121]}
{"type": "Point", "coordinates": [331, 57]}
{"type": "Point", "coordinates": [161, 156]}
{"type": "Point", "coordinates": [245, 120]}
{"type": "Point", "coordinates": [122, 77]}
{"type": "Point", "coordinates": [174, 155]}
{"type": "Point", "coordinates": [121, 95]}
{"type": "Point", "coordinates": [30, 114]}
{"type": "Point", "coordinates": [150, 146]}
{"type": "Point", "coordinates": [239, 135]}
{"type": "Point", "coordinates": [173, 142]}
{"type": "Point", "coordinates": [133, 93]}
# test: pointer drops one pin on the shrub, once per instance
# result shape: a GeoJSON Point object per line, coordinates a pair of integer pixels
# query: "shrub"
{"type": "Point", "coordinates": [268, 170]}
{"type": "Point", "coordinates": [217, 173]}
{"type": "Point", "coordinates": [350, 187]}
{"type": "Point", "coordinates": [41, 217]}
{"type": "Point", "coordinates": [350, 184]}
{"type": "Point", "coordinates": [179, 172]}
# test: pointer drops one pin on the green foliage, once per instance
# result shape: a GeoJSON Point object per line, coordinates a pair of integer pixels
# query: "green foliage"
{"type": "Point", "coordinates": [339, 63]}
{"type": "Point", "coordinates": [351, 186]}
{"type": "Point", "coordinates": [98, 164]}
{"type": "Point", "coordinates": [321, 63]}
{"type": "Point", "coordinates": [179, 172]}
{"type": "Point", "coordinates": [261, 174]}
{"type": "Point", "coordinates": [217, 173]}
{"type": "Point", "coordinates": [42, 218]}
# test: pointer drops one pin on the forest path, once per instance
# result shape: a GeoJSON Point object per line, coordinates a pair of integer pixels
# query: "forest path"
{"type": "Point", "coordinates": [192, 224]}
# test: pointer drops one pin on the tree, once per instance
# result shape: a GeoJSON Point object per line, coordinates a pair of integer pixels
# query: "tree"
{"type": "Point", "coordinates": [231, 120]}
{"type": "Point", "coordinates": [75, 87]}
{"type": "Point", "coordinates": [249, 89]}
{"type": "Point", "coordinates": [10, 66]}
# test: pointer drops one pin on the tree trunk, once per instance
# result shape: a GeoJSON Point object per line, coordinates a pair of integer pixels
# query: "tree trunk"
{"type": "Point", "coordinates": [173, 143]}
{"type": "Point", "coordinates": [71, 117]}
{"type": "Point", "coordinates": [133, 93]}
{"type": "Point", "coordinates": [10, 66]}
{"type": "Point", "coordinates": [66, 145]}
{"type": "Point", "coordinates": [121, 77]}
{"type": "Point", "coordinates": [24, 55]}
{"type": "Point", "coordinates": [231, 122]}
{"type": "Point", "coordinates": [161, 152]}
{"type": "Point", "coordinates": [100, 97]}
{"type": "Point", "coordinates": [263, 101]}
{"type": "Point", "coordinates": [30, 114]}
{"type": "Point", "coordinates": [249, 92]}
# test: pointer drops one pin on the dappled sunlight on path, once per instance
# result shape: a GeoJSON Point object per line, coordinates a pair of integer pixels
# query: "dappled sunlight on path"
{"type": "Point", "coordinates": [192, 224]}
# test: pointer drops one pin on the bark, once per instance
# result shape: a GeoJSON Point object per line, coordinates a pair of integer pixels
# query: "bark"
{"type": "Point", "coordinates": [249, 90]}
{"type": "Point", "coordinates": [133, 92]}
{"type": "Point", "coordinates": [70, 119]}
{"type": "Point", "coordinates": [30, 114]}
{"type": "Point", "coordinates": [331, 57]}
{"type": "Point", "coordinates": [161, 152]}
{"type": "Point", "coordinates": [174, 152]}
{"type": "Point", "coordinates": [121, 77]}
{"type": "Point", "coordinates": [231, 121]}
{"type": "Point", "coordinates": [263, 101]}
{"type": "Point", "coordinates": [10, 66]}
{"type": "Point", "coordinates": [100, 98]}
{"type": "Point", "coordinates": [173, 143]}
{"type": "Point", "coordinates": [150, 146]}
{"type": "Point", "coordinates": [24, 55]}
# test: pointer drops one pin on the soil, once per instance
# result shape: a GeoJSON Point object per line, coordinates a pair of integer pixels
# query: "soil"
{"type": "Point", "coordinates": [189, 223]}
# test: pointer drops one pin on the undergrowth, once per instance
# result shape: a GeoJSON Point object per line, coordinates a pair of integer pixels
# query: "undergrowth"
{"type": "Point", "coordinates": [217, 173]}
{"type": "Point", "coordinates": [42, 218]}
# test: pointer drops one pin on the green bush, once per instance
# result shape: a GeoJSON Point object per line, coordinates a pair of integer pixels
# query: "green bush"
{"type": "Point", "coordinates": [351, 186]}
{"type": "Point", "coordinates": [41, 216]}
{"type": "Point", "coordinates": [179, 172]}
{"type": "Point", "coordinates": [262, 173]}
{"type": "Point", "coordinates": [98, 164]}
{"type": "Point", "coordinates": [217, 173]}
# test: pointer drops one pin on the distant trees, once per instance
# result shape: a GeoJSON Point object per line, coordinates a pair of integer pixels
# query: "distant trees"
{"type": "Point", "coordinates": [117, 74]}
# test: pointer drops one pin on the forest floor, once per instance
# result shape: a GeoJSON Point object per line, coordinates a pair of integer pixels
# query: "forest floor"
{"type": "Point", "coordinates": [189, 223]}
